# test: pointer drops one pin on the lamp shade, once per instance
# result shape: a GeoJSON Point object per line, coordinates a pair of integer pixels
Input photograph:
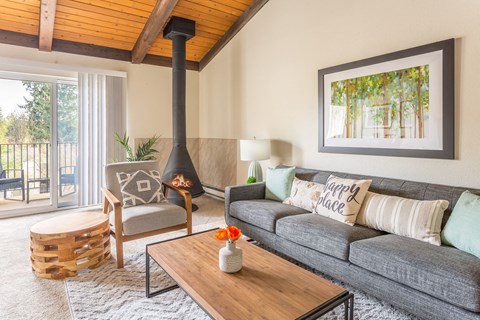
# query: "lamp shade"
{"type": "Point", "coordinates": [254, 150]}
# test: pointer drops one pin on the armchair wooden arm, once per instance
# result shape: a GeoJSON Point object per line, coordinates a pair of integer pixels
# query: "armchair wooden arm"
{"type": "Point", "coordinates": [187, 198]}
{"type": "Point", "coordinates": [110, 200]}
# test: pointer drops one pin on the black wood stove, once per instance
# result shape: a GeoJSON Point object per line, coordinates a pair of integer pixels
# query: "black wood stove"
{"type": "Point", "coordinates": [179, 170]}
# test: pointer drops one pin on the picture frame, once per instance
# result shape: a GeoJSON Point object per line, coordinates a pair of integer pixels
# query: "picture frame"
{"type": "Point", "coordinates": [397, 104]}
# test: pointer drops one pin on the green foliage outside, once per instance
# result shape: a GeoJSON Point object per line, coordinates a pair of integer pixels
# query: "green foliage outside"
{"type": "Point", "coordinates": [144, 150]}
{"type": "Point", "coordinates": [32, 121]}
{"type": "Point", "coordinates": [386, 105]}
{"type": "Point", "coordinates": [251, 180]}
{"type": "Point", "coordinates": [37, 111]}
{"type": "Point", "coordinates": [67, 97]}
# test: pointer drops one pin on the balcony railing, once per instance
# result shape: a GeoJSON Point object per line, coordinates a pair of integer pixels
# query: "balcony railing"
{"type": "Point", "coordinates": [34, 158]}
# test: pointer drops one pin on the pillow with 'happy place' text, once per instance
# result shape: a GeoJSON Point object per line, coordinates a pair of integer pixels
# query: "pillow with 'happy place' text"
{"type": "Point", "coordinates": [341, 199]}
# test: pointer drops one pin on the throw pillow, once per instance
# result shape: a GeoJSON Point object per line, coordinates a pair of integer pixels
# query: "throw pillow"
{"type": "Point", "coordinates": [140, 187]}
{"type": "Point", "coordinates": [341, 199]}
{"type": "Point", "coordinates": [462, 228]}
{"type": "Point", "coordinates": [279, 183]}
{"type": "Point", "coordinates": [411, 218]}
{"type": "Point", "coordinates": [304, 194]}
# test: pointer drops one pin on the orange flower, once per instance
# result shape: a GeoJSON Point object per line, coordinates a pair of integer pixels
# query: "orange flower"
{"type": "Point", "coordinates": [230, 233]}
{"type": "Point", "coordinates": [233, 233]}
{"type": "Point", "coordinates": [221, 234]}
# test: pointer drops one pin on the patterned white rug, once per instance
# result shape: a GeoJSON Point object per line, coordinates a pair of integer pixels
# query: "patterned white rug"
{"type": "Point", "coordinates": [111, 293]}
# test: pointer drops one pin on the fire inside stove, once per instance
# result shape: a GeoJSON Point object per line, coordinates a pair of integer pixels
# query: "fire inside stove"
{"type": "Point", "coordinates": [181, 182]}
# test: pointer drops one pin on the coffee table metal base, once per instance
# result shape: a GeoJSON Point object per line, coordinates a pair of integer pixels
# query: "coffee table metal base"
{"type": "Point", "coordinates": [347, 299]}
{"type": "Point", "coordinates": [147, 284]}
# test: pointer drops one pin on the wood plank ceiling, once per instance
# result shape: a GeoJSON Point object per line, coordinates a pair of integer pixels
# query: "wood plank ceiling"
{"type": "Point", "coordinates": [119, 27]}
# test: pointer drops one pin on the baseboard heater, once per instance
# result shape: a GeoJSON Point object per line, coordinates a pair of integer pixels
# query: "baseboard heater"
{"type": "Point", "coordinates": [214, 191]}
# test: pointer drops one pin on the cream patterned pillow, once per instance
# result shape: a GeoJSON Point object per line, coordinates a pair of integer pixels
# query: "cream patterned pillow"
{"type": "Point", "coordinates": [140, 187]}
{"type": "Point", "coordinates": [341, 199]}
{"type": "Point", "coordinates": [304, 194]}
{"type": "Point", "coordinates": [411, 218]}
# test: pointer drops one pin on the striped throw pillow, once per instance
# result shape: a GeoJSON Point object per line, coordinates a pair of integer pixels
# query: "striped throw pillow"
{"type": "Point", "coordinates": [411, 218]}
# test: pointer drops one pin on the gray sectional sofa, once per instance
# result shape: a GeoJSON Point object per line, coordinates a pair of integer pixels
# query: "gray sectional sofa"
{"type": "Point", "coordinates": [431, 282]}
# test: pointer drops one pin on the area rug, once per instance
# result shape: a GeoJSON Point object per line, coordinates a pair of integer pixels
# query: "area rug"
{"type": "Point", "coordinates": [111, 293]}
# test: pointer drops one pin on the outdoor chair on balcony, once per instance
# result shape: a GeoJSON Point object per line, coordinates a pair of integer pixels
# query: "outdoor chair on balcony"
{"type": "Point", "coordinates": [68, 175]}
{"type": "Point", "coordinates": [11, 183]}
{"type": "Point", "coordinates": [132, 218]}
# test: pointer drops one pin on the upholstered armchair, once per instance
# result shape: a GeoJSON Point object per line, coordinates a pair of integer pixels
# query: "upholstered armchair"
{"type": "Point", "coordinates": [145, 220]}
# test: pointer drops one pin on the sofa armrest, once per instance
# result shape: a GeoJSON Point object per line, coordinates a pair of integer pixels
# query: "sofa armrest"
{"type": "Point", "coordinates": [243, 192]}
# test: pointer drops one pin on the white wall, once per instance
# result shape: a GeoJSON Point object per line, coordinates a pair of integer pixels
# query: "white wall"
{"type": "Point", "coordinates": [149, 89]}
{"type": "Point", "coordinates": [264, 82]}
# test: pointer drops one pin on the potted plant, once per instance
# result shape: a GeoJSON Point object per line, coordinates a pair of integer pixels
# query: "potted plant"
{"type": "Point", "coordinates": [144, 151]}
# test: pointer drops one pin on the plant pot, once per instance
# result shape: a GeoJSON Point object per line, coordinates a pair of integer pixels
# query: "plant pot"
{"type": "Point", "coordinates": [230, 258]}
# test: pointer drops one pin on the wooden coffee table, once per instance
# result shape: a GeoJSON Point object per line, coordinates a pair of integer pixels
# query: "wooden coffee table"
{"type": "Point", "coordinates": [267, 287]}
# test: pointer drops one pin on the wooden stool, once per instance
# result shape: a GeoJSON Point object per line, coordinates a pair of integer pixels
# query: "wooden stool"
{"type": "Point", "coordinates": [62, 245]}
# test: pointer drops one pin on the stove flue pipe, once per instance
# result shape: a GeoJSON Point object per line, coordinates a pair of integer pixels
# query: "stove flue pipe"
{"type": "Point", "coordinates": [179, 91]}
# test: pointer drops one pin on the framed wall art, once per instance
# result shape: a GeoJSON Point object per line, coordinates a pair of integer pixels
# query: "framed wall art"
{"type": "Point", "coordinates": [397, 104]}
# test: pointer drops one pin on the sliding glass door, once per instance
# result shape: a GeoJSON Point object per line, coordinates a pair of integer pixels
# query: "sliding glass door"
{"type": "Point", "coordinates": [38, 144]}
{"type": "Point", "coordinates": [67, 141]}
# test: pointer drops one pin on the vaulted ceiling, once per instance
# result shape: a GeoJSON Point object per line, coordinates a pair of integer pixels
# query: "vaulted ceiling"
{"type": "Point", "coordinates": [128, 30]}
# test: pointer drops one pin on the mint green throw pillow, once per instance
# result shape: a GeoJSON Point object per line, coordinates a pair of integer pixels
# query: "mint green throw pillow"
{"type": "Point", "coordinates": [462, 228]}
{"type": "Point", "coordinates": [279, 183]}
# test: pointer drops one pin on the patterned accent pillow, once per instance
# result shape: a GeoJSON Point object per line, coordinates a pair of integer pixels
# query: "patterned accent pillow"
{"type": "Point", "coordinates": [304, 194]}
{"type": "Point", "coordinates": [411, 218]}
{"type": "Point", "coordinates": [341, 199]}
{"type": "Point", "coordinates": [141, 187]}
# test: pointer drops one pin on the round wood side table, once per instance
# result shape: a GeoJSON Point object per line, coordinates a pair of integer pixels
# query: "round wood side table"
{"type": "Point", "coordinates": [64, 244]}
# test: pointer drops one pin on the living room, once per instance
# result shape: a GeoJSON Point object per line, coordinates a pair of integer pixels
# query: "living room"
{"type": "Point", "coordinates": [262, 79]}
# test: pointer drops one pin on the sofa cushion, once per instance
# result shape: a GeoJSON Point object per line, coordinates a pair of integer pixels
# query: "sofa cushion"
{"type": "Point", "coordinates": [279, 183]}
{"type": "Point", "coordinates": [149, 217]}
{"type": "Point", "coordinates": [140, 187]}
{"type": "Point", "coordinates": [323, 234]}
{"type": "Point", "coordinates": [443, 272]}
{"type": "Point", "coordinates": [304, 194]}
{"type": "Point", "coordinates": [341, 199]}
{"type": "Point", "coordinates": [262, 213]}
{"type": "Point", "coordinates": [411, 218]}
{"type": "Point", "coordinates": [462, 229]}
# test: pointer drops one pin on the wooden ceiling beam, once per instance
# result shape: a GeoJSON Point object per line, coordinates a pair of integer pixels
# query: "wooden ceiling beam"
{"type": "Point", "coordinates": [167, 62]}
{"type": "Point", "coordinates": [47, 22]}
{"type": "Point", "coordinates": [158, 18]}
{"type": "Point", "coordinates": [234, 29]}
{"type": "Point", "coordinates": [18, 39]}
{"type": "Point", "coordinates": [65, 46]}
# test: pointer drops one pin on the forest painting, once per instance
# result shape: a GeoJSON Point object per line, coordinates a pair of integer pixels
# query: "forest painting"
{"type": "Point", "coordinates": [389, 105]}
{"type": "Point", "coordinates": [396, 104]}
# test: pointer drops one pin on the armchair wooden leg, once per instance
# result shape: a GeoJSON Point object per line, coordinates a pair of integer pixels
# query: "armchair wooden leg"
{"type": "Point", "coordinates": [188, 207]}
{"type": "Point", "coordinates": [189, 227]}
{"type": "Point", "coordinates": [119, 247]}
{"type": "Point", "coordinates": [118, 236]}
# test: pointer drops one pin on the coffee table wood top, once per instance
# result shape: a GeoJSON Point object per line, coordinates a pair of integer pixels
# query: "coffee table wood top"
{"type": "Point", "coordinates": [267, 287]}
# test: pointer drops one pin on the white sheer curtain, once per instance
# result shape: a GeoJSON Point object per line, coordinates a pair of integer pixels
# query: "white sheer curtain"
{"type": "Point", "coordinates": [101, 112]}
